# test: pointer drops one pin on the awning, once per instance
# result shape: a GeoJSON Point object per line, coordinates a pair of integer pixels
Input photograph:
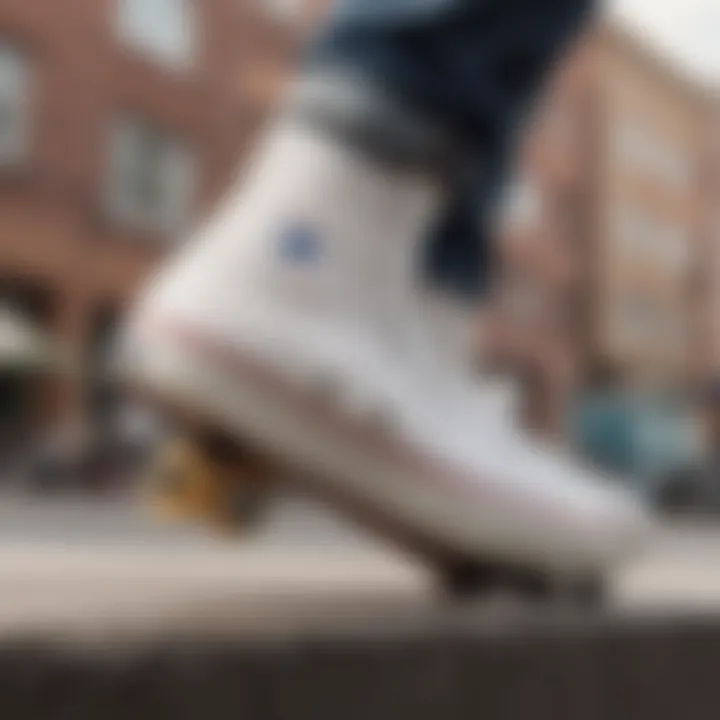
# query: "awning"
{"type": "Point", "coordinates": [26, 347]}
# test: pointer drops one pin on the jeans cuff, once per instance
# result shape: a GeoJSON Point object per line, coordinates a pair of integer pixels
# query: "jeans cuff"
{"type": "Point", "coordinates": [365, 115]}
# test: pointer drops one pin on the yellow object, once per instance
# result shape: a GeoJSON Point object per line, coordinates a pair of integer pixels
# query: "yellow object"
{"type": "Point", "coordinates": [187, 482]}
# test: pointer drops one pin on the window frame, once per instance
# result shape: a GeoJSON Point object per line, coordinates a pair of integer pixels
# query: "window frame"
{"type": "Point", "coordinates": [23, 109]}
{"type": "Point", "coordinates": [122, 207]}
{"type": "Point", "coordinates": [183, 56]}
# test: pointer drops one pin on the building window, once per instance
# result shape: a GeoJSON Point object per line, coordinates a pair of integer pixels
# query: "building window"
{"type": "Point", "coordinates": [633, 232]}
{"type": "Point", "coordinates": [632, 321]}
{"type": "Point", "coordinates": [163, 29]}
{"type": "Point", "coordinates": [675, 243]}
{"type": "Point", "coordinates": [151, 178]}
{"type": "Point", "coordinates": [285, 10]}
{"type": "Point", "coordinates": [14, 106]}
{"type": "Point", "coordinates": [651, 240]}
{"type": "Point", "coordinates": [644, 324]}
{"type": "Point", "coordinates": [644, 150]}
{"type": "Point", "coordinates": [676, 332]}
{"type": "Point", "coordinates": [522, 206]}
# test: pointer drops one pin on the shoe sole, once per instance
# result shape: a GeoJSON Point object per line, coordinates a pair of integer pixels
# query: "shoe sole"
{"type": "Point", "coordinates": [438, 512]}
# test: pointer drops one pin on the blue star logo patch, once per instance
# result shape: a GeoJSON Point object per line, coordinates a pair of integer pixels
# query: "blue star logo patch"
{"type": "Point", "coordinates": [300, 244]}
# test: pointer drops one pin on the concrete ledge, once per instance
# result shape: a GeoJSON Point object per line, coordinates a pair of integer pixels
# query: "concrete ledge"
{"type": "Point", "coordinates": [444, 665]}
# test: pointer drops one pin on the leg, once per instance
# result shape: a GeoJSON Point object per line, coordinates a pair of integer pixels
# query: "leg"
{"type": "Point", "coordinates": [469, 69]}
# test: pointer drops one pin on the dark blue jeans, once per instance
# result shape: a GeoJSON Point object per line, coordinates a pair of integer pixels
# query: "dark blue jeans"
{"type": "Point", "coordinates": [470, 68]}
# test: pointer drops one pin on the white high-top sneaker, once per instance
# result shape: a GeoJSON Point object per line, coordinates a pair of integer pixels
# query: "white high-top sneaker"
{"type": "Point", "coordinates": [292, 321]}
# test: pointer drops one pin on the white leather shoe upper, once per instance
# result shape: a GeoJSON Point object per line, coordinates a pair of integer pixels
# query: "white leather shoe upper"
{"type": "Point", "coordinates": [313, 269]}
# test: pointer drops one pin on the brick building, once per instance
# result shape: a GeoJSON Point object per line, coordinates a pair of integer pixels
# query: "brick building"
{"type": "Point", "coordinates": [120, 120]}
{"type": "Point", "coordinates": [609, 228]}
{"type": "Point", "coordinates": [541, 313]}
{"type": "Point", "coordinates": [649, 200]}
{"type": "Point", "coordinates": [705, 281]}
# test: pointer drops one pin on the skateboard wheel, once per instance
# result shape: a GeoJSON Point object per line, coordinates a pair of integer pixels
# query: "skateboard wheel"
{"type": "Point", "coordinates": [190, 481]}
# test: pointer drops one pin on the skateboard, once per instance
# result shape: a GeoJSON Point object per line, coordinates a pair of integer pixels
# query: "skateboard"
{"type": "Point", "coordinates": [201, 476]}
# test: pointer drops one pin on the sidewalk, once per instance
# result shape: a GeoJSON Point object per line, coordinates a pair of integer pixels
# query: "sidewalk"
{"type": "Point", "coordinates": [104, 566]}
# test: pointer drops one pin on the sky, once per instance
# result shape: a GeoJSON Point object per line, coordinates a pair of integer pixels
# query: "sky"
{"type": "Point", "coordinates": [689, 29]}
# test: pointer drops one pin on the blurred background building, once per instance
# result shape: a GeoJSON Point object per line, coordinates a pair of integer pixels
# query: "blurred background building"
{"type": "Point", "coordinates": [609, 243]}
{"type": "Point", "coordinates": [121, 121]}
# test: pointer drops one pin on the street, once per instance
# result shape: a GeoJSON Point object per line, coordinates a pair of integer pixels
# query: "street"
{"type": "Point", "coordinates": [103, 567]}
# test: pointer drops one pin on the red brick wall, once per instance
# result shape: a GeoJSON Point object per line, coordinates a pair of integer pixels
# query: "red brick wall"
{"type": "Point", "coordinates": [55, 233]}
